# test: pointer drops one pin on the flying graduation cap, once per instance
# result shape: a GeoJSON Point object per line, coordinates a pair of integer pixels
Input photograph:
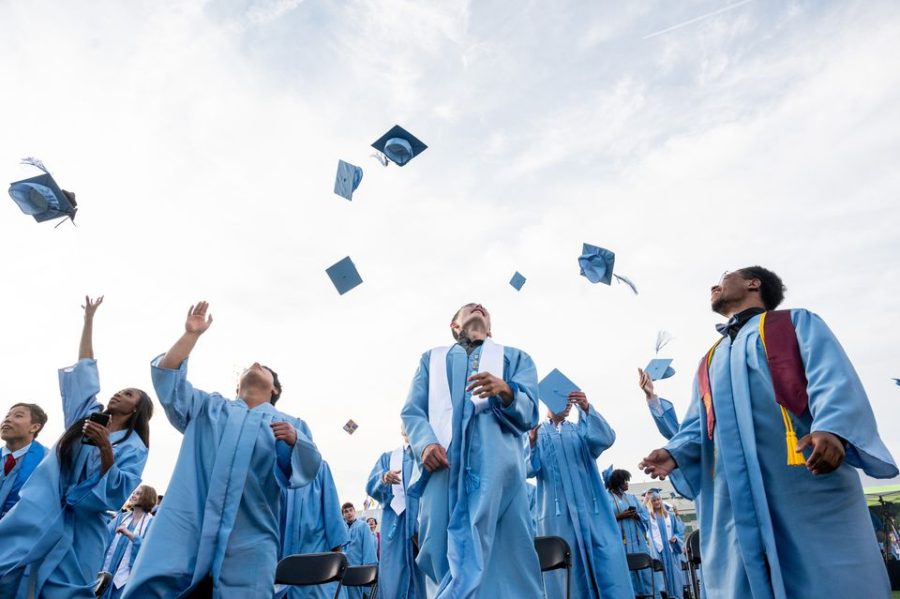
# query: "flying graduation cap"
{"type": "Point", "coordinates": [897, 382]}
{"type": "Point", "coordinates": [659, 368]}
{"type": "Point", "coordinates": [41, 197]}
{"type": "Point", "coordinates": [597, 266]}
{"type": "Point", "coordinates": [399, 145]}
{"type": "Point", "coordinates": [347, 179]}
{"type": "Point", "coordinates": [517, 281]}
{"type": "Point", "coordinates": [350, 427]}
{"type": "Point", "coordinates": [343, 275]}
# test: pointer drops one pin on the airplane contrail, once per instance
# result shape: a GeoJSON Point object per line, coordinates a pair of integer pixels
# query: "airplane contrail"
{"type": "Point", "coordinates": [695, 19]}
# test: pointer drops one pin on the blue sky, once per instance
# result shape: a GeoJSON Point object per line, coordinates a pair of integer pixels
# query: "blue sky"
{"type": "Point", "coordinates": [202, 140]}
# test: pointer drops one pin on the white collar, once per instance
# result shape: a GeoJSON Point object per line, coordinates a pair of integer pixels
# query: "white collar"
{"type": "Point", "coordinates": [17, 453]}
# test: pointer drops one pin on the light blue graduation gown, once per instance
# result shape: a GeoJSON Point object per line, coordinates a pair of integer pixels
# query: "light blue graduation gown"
{"type": "Point", "coordinates": [664, 416]}
{"type": "Point", "coordinates": [634, 538]}
{"type": "Point", "coordinates": [221, 512]}
{"type": "Point", "coordinates": [360, 550]}
{"type": "Point", "coordinates": [398, 575]}
{"type": "Point", "coordinates": [574, 504]}
{"type": "Point", "coordinates": [120, 546]}
{"type": "Point", "coordinates": [311, 522]}
{"type": "Point", "coordinates": [769, 530]}
{"type": "Point", "coordinates": [59, 525]}
{"type": "Point", "coordinates": [474, 523]}
{"type": "Point", "coordinates": [12, 483]}
{"type": "Point", "coordinates": [670, 555]}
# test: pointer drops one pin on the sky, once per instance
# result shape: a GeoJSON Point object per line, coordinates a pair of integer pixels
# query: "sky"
{"type": "Point", "coordinates": [202, 140]}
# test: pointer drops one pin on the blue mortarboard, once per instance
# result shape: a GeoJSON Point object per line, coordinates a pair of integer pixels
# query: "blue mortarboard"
{"type": "Point", "coordinates": [897, 381]}
{"type": "Point", "coordinates": [659, 368]}
{"type": "Point", "coordinates": [350, 427]}
{"type": "Point", "coordinates": [596, 264]}
{"type": "Point", "coordinates": [607, 473]}
{"type": "Point", "coordinates": [344, 275]}
{"type": "Point", "coordinates": [347, 179]}
{"type": "Point", "coordinates": [554, 391]}
{"type": "Point", "coordinates": [41, 197]}
{"type": "Point", "coordinates": [517, 281]}
{"type": "Point", "coordinates": [399, 145]}
{"type": "Point", "coordinates": [652, 492]}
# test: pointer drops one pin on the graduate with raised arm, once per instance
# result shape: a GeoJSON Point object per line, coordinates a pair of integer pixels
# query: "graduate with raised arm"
{"type": "Point", "coordinates": [217, 530]}
{"type": "Point", "coordinates": [662, 410]}
{"type": "Point", "coordinates": [398, 575]}
{"type": "Point", "coordinates": [21, 451]}
{"type": "Point", "coordinates": [572, 502]}
{"type": "Point", "coordinates": [777, 425]}
{"type": "Point", "coordinates": [311, 522]}
{"type": "Point", "coordinates": [666, 542]}
{"type": "Point", "coordinates": [54, 539]}
{"type": "Point", "coordinates": [468, 407]}
{"type": "Point", "coordinates": [633, 522]}
{"type": "Point", "coordinates": [126, 533]}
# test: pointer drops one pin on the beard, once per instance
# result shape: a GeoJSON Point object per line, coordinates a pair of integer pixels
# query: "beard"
{"type": "Point", "coordinates": [718, 304]}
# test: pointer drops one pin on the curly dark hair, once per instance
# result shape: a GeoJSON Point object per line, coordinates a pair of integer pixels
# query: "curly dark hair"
{"type": "Point", "coordinates": [771, 288]}
{"type": "Point", "coordinates": [617, 480]}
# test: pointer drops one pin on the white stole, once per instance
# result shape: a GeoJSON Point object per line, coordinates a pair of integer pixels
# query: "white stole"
{"type": "Point", "coordinates": [440, 405]}
{"type": "Point", "coordinates": [658, 541]}
{"type": "Point", "coordinates": [398, 501]}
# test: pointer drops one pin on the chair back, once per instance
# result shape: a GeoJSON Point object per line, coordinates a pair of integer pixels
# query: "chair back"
{"type": "Point", "coordinates": [657, 566]}
{"type": "Point", "coordinates": [311, 569]}
{"type": "Point", "coordinates": [639, 561]}
{"type": "Point", "coordinates": [693, 547]}
{"type": "Point", "coordinates": [360, 576]}
{"type": "Point", "coordinates": [553, 553]}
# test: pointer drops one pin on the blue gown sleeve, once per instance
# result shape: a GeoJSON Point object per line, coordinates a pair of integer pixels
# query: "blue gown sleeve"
{"type": "Point", "coordinates": [678, 533]}
{"type": "Point", "coordinates": [178, 397]}
{"type": "Point", "coordinates": [336, 533]}
{"type": "Point", "coordinates": [685, 448]}
{"type": "Point", "coordinates": [521, 415]}
{"type": "Point", "coordinates": [378, 490]}
{"type": "Point", "coordinates": [137, 542]}
{"type": "Point", "coordinates": [297, 466]}
{"type": "Point", "coordinates": [415, 411]}
{"type": "Point", "coordinates": [595, 432]}
{"type": "Point", "coordinates": [79, 386]}
{"type": "Point", "coordinates": [643, 515]}
{"type": "Point", "coordinates": [533, 456]}
{"type": "Point", "coordinates": [369, 547]}
{"type": "Point", "coordinates": [664, 416]}
{"type": "Point", "coordinates": [110, 491]}
{"type": "Point", "coordinates": [837, 400]}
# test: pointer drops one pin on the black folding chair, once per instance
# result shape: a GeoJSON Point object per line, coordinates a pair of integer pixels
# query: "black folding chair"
{"type": "Point", "coordinates": [687, 587]}
{"type": "Point", "coordinates": [658, 567]}
{"type": "Point", "coordinates": [642, 561]}
{"type": "Point", "coordinates": [693, 554]}
{"type": "Point", "coordinates": [362, 576]}
{"type": "Point", "coordinates": [554, 554]}
{"type": "Point", "coordinates": [103, 581]}
{"type": "Point", "coordinates": [311, 569]}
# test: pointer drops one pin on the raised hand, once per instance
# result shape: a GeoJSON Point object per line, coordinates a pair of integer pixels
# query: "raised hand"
{"type": "Point", "coordinates": [579, 399]}
{"type": "Point", "coordinates": [391, 477]}
{"type": "Point", "coordinates": [197, 320]}
{"type": "Point", "coordinates": [284, 431]}
{"type": "Point", "coordinates": [90, 306]}
{"type": "Point", "coordinates": [646, 383]}
{"type": "Point", "coordinates": [434, 457]}
{"type": "Point", "coordinates": [828, 452]}
{"type": "Point", "coordinates": [658, 464]}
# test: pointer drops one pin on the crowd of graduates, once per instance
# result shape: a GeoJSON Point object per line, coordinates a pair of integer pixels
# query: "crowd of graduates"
{"type": "Point", "coordinates": [768, 449]}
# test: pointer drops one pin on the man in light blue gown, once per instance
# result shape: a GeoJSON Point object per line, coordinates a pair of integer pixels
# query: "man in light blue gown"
{"type": "Point", "coordinates": [218, 525]}
{"type": "Point", "coordinates": [468, 407]}
{"type": "Point", "coordinates": [572, 502]}
{"type": "Point", "coordinates": [398, 575]}
{"type": "Point", "coordinates": [311, 522]}
{"type": "Point", "coordinates": [774, 522]}
{"type": "Point", "coordinates": [360, 548]}
{"type": "Point", "coordinates": [21, 451]}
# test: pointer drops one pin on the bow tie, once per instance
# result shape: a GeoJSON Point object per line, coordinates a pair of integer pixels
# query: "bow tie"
{"type": "Point", "coordinates": [724, 328]}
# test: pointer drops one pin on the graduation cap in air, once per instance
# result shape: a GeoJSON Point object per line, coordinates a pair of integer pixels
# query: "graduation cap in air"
{"type": "Point", "coordinates": [554, 391]}
{"type": "Point", "coordinates": [659, 368]}
{"type": "Point", "coordinates": [41, 197]}
{"type": "Point", "coordinates": [343, 275]}
{"type": "Point", "coordinates": [399, 145]}
{"type": "Point", "coordinates": [517, 281]}
{"type": "Point", "coordinates": [347, 179]}
{"type": "Point", "coordinates": [597, 264]}
{"type": "Point", "coordinates": [897, 382]}
{"type": "Point", "coordinates": [351, 427]}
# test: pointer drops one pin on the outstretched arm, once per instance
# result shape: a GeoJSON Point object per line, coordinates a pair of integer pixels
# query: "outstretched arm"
{"type": "Point", "coordinates": [86, 347]}
{"type": "Point", "coordinates": [196, 324]}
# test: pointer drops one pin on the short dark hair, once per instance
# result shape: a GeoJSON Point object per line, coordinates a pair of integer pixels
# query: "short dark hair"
{"type": "Point", "coordinates": [455, 316]}
{"type": "Point", "coordinates": [617, 479]}
{"type": "Point", "coordinates": [276, 395]}
{"type": "Point", "coordinates": [771, 288]}
{"type": "Point", "coordinates": [346, 505]}
{"type": "Point", "coordinates": [372, 518]}
{"type": "Point", "coordinates": [38, 415]}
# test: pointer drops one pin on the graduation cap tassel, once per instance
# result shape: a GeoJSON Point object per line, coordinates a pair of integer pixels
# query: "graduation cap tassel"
{"type": "Point", "coordinates": [794, 457]}
{"type": "Point", "coordinates": [662, 339]}
{"type": "Point", "coordinates": [380, 158]}
{"type": "Point", "coordinates": [35, 163]}
{"type": "Point", "coordinates": [627, 281]}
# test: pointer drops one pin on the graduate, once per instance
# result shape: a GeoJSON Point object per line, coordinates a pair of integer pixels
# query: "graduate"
{"type": "Point", "coordinates": [398, 575]}
{"type": "Point", "coordinates": [217, 531]}
{"type": "Point", "coordinates": [360, 548]}
{"type": "Point", "coordinates": [573, 504]}
{"type": "Point", "coordinates": [777, 424]}
{"type": "Point", "coordinates": [311, 522]}
{"type": "Point", "coordinates": [55, 537]}
{"type": "Point", "coordinates": [22, 452]}
{"type": "Point", "coordinates": [633, 522]}
{"type": "Point", "coordinates": [666, 542]}
{"type": "Point", "coordinates": [468, 407]}
{"type": "Point", "coordinates": [126, 533]}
